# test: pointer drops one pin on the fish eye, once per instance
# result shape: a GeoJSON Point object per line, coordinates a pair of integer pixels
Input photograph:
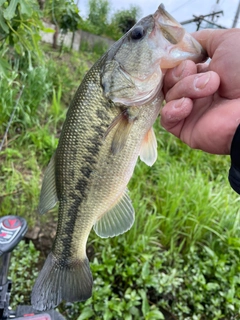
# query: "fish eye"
{"type": "Point", "coordinates": [137, 33]}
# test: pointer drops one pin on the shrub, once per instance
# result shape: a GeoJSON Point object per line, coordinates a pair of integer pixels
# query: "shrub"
{"type": "Point", "coordinates": [23, 271]}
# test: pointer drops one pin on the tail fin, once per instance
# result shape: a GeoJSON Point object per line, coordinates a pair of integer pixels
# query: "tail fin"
{"type": "Point", "coordinates": [58, 281]}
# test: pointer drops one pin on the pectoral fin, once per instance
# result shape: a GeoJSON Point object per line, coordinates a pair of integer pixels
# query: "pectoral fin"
{"type": "Point", "coordinates": [148, 151]}
{"type": "Point", "coordinates": [117, 220]}
{"type": "Point", "coordinates": [48, 196]}
{"type": "Point", "coordinates": [124, 122]}
{"type": "Point", "coordinates": [121, 135]}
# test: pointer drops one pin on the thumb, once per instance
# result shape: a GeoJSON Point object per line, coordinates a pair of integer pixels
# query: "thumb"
{"type": "Point", "coordinates": [210, 39]}
{"type": "Point", "coordinates": [223, 46]}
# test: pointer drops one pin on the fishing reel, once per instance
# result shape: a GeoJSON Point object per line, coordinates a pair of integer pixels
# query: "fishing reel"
{"type": "Point", "coordinates": [12, 230]}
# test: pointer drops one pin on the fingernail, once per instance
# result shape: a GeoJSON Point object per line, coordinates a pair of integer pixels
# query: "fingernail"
{"type": "Point", "coordinates": [178, 104]}
{"type": "Point", "coordinates": [177, 71]}
{"type": "Point", "coordinates": [201, 81]}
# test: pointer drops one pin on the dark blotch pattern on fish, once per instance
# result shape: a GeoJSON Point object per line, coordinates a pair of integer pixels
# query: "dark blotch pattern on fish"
{"type": "Point", "coordinates": [66, 240]}
{"type": "Point", "coordinates": [86, 171]}
{"type": "Point", "coordinates": [82, 185]}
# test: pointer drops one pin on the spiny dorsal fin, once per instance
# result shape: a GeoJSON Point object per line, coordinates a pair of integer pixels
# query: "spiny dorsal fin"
{"type": "Point", "coordinates": [117, 220]}
{"type": "Point", "coordinates": [148, 151]}
{"type": "Point", "coordinates": [48, 196]}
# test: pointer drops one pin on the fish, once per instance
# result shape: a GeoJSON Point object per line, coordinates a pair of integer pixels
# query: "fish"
{"type": "Point", "coordinates": [108, 126]}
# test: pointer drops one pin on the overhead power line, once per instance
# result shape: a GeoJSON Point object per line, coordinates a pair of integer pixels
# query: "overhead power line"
{"type": "Point", "coordinates": [199, 19]}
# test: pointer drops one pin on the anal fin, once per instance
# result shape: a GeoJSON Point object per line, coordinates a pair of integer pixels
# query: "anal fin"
{"type": "Point", "coordinates": [117, 220]}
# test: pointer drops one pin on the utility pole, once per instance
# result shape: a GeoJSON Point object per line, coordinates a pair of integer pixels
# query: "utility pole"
{"type": "Point", "coordinates": [215, 9]}
{"type": "Point", "coordinates": [236, 16]}
{"type": "Point", "coordinates": [201, 18]}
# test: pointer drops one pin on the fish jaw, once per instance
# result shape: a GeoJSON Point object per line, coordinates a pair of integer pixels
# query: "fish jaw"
{"type": "Point", "coordinates": [132, 74]}
{"type": "Point", "coordinates": [178, 45]}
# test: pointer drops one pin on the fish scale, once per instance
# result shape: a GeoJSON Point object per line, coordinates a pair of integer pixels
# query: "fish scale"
{"type": "Point", "coordinates": [107, 127]}
{"type": "Point", "coordinates": [84, 146]}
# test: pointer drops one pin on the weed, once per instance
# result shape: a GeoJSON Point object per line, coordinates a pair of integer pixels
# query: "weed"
{"type": "Point", "coordinates": [23, 271]}
{"type": "Point", "coordinates": [181, 257]}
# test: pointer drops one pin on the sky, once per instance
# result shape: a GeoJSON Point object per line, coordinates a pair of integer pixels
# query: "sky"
{"type": "Point", "coordinates": [181, 10]}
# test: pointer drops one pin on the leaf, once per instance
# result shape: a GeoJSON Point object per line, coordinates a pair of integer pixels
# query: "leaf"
{"type": "Point", "coordinates": [155, 314]}
{"type": "Point", "coordinates": [3, 25]}
{"type": "Point", "coordinates": [145, 270]}
{"type": "Point", "coordinates": [210, 252]}
{"type": "Point", "coordinates": [210, 286]}
{"type": "Point", "coordinates": [10, 11]}
{"type": "Point", "coordinates": [86, 314]}
{"type": "Point", "coordinates": [4, 67]}
{"type": "Point", "coordinates": [145, 304]}
{"type": "Point", "coordinates": [35, 39]}
{"type": "Point", "coordinates": [19, 48]}
{"type": "Point", "coordinates": [25, 8]}
{"type": "Point", "coordinates": [48, 30]}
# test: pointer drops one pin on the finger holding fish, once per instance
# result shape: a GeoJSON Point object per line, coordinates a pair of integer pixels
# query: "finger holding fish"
{"type": "Point", "coordinates": [194, 86]}
{"type": "Point", "coordinates": [172, 76]}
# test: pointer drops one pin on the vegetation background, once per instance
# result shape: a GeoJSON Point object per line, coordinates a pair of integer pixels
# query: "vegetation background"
{"type": "Point", "coordinates": [180, 260]}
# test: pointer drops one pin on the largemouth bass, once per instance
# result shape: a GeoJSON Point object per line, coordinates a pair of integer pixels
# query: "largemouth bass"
{"type": "Point", "coordinates": [108, 126]}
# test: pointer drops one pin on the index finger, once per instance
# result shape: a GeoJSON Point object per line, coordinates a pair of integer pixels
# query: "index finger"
{"type": "Point", "coordinates": [172, 76]}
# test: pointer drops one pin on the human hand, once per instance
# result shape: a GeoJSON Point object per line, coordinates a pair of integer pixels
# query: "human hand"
{"type": "Point", "coordinates": [208, 115]}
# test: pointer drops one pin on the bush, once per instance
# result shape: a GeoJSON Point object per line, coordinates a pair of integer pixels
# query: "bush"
{"type": "Point", "coordinates": [23, 272]}
{"type": "Point", "coordinates": [181, 257]}
{"type": "Point", "coordinates": [147, 283]}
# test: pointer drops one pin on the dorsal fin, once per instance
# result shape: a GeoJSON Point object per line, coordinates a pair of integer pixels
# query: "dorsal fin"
{"type": "Point", "coordinates": [48, 196]}
{"type": "Point", "coordinates": [117, 220]}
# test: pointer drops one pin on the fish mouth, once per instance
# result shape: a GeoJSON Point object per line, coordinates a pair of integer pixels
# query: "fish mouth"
{"type": "Point", "coordinates": [161, 15]}
{"type": "Point", "coordinates": [177, 43]}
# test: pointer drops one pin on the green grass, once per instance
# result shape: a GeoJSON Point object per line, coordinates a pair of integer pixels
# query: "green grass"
{"type": "Point", "coordinates": [181, 257]}
{"type": "Point", "coordinates": [36, 125]}
{"type": "Point", "coordinates": [190, 199]}
{"type": "Point", "coordinates": [23, 269]}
